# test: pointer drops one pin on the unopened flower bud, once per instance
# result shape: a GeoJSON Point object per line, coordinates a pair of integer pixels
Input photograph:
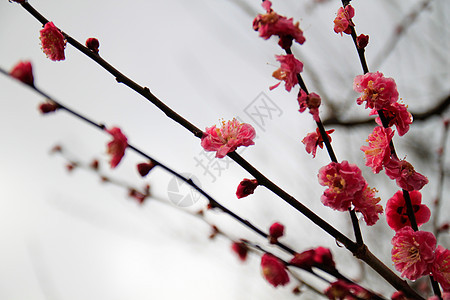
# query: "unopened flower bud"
{"type": "Point", "coordinates": [93, 44]}
{"type": "Point", "coordinates": [361, 41]}
{"type": "Point", "coordinates": [23, 72]}
{"type": "Point", "coordinates": [145, 168]}
{"type": "Point", "coordinates": [48, 107]}
{"type": "Point", "coordinates": [246, 187]}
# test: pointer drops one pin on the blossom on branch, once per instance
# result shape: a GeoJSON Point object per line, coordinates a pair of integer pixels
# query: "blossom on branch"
{"type": "Point", "coordinates": [274, 270]}
{"type": "Point", "coordinates": [246, 187]}
{"type": "Point", "coordinates": [366, 203]}
{"type": "Point", "coordinates": [377, 91]}
{"type": "Point", "coordinates": [311, 101]}
{"type": "Point", "coordinates": [290, 67]}
{"type": "Point", "coordinates": [53, 42]}
{"type": "Point", "coordinates": [396, 114]}
{"type": "Point", "coordinates": [343, 21]}
{"type": "Point", "coordinates": [344, 180]}
{"type": "Point", "coordinates": [314, 139]}
{"type": "Point", "coordinates": [116, 147]}
{"type": "Point", "coordinates": [145, 168]}
{"type": "Point", "coordinates": [48, 107]}
{"type": "Point", "coordinates": [362, 41]}
{"type": "Point", "coordinates": [272, 23]}
{"type": "Point", "coordinates": [413, 252]}
{"type": "Point", "coordinates": [23, 71]}
{"type": "Point", "coordinates": [378, 152]}
{"type": "Point", "coordinates": [396, 213]}
{"type": "Point", "coordinates": [404, 174]}
{"type": "Point", "coordinates": [341, 289]}
{"type": "Point", "coordinates": [440, 269]}
{"type": "Point", "coordinates": [93, 44]}
{"type": "Point", "coordinates": [319, 257]}
{"type": "Point", "coordinates": [227, 138]}
{"type": "Point", "coordinates": [276, 231]}
{"type": "Point", "coordinates": [241, 249]}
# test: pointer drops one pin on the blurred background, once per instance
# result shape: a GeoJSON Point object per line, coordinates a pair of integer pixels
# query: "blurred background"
{"type": "Point", "coordinates": [69, 235]}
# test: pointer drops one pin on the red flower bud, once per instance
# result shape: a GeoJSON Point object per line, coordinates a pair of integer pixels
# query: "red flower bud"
{"type": "Point", "coordinates": [241, 249]}
{"type": "Point", "coordinates": [23, 71]}
{"type": "Point", "coordinates": [275, 231]}
{"type": "Point", "coordinates": [48, 107]}
{"type": "Point", "coordinates": [145, 168]}
{"type": "Point", "coordinates": [361, 41]}
{"type": "Point", "coordinates": [93, 44]}
{"type": "Point", "coordinates": [246, 187]}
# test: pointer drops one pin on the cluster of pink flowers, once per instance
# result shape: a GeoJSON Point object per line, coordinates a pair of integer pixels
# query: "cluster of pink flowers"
{"type": "Point", "coordinates": [226, 139]}
{"type": "Point", "coordinates": [314, 139]}
{"type": "Point", "coordinates": [311, 101]}
{"type": "Point", "coordinates": [116, 148]}
{"type": "Point", "coordinates": [288, 71]}
{"type": "Point", "coordinates": [53, 42]}
{"type": "Point", "coordinates": [272, 23]}
{"type": "Point", "coordinates": [274, 270]}
{"type": "Point", "coordinates": [343, 21]}
{"type": "Point", "coordinates": [380, 95]}
{"type": "Point", "coordinates": [414, 253]}
{"type": "Point", "coordinates": [23, 71]}
{"type": "Point", "coordinates": [347, 187]}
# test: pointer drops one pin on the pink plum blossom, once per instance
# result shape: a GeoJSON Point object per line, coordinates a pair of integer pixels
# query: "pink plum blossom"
{"type": "Point", "coordinates": [378, 152]}
{"type": "Point", "coordinates": [274, 270]}
{"type": "Point", "coordinates": [314, 139]}
{"type": "Point", "coordinates": [344, 180]}
{"type": "Point", "coordinates": [413, 252]}
{"type": "Point", "coordinates": [343, 20]}
{"type": "Point", "coordinates": [23, 71]}
{"type": "Point", "coordinates": [116, 147]}
{"type": "Point", "coordinates": [404, 174]}
{"type": "Point", "coordinates": [396, 215]}
{"type": "Point", "coordinates": [227, 138]}
{"type": "Point", "coordinates": [311, 101]}
{"type": "Point", "coordinates": [396, 114]}
{"type": "Point", "coordinates": [53, 42]}
{"type": "Point", "coordinates": [366, 203]}
{"type": "Point", "coordinates": [272, 23]}
{"type": "Point", "coordinates": [288, 71]}
{"type": "Point", "coordinates": [440, 269]}
{"type": "Point", "coordinates": [377, 91]}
